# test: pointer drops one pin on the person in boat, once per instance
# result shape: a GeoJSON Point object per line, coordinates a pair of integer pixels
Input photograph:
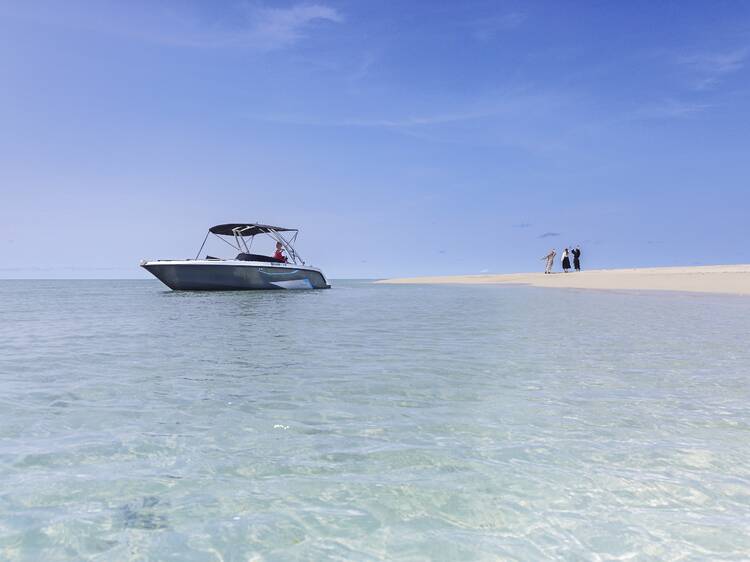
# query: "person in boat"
{"type": "Point", "coordinates": [279, 253]}
{"type": "Point", "coordinates": [550, 261]}
{"type": "Point", "coordinates": [565, 260]}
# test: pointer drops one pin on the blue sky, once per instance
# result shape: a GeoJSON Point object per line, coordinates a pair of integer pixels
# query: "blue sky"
{"type": "Point", "coordinates": [402, 138]}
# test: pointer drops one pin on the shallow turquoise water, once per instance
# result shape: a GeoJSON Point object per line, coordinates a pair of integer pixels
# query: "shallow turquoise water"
{"type": "Point", "coordinates": [371, 422]}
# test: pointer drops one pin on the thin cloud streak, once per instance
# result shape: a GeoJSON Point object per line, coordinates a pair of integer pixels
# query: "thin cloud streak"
{"type": "Point", "coordinates": [714, 67]}
{"type": "Point", "coordinates": [671, 109]}
{"type": "Point", "coordinates": [519, 120]}
{"type": "Point", "coordinates": [275, 28]}
{"type": "Point", "coordinates": [369, 60]}
{"type": "Point", "coordinates": [406, 122]}
{"type": "Point", "coordinates": [486, 28]}
{"type": "Point", "coordinates": [248, 26]}
{"type": "Point", "coordinates": [718, 63]}
{"type": "Point", "coordinates": [514, 105]}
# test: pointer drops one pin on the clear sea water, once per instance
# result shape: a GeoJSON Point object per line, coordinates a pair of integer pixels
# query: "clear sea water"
{"type": "Point", "coordinates": [371, 422]}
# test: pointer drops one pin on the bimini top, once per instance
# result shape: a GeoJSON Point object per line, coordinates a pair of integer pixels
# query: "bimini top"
{"type": "Point", "coordinates": [246, 229]}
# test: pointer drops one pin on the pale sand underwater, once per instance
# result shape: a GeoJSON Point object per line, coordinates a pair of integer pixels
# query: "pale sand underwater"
{"type": "Point", "coordinates": [371, 422]}
{"type": "Point", "coordinates": [726, 279]}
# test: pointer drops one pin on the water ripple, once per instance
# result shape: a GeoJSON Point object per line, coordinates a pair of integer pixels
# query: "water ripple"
{"type": "Point", "coordinates": [371, 422]}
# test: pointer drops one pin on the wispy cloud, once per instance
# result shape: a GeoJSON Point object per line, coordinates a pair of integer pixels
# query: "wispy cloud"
{"type": "Point", "coordinates": [486, 28]}
{"type": "Point", "coordinates": [718, 63]}
{"type": "Point", "coordinates": [244, 25]}
{"type": "Point", "coordinates": [671, 109]}
{"type": "Point", "coordinates": [713, 67]}
{"type": "Point", "coordinates": [255, 27]}
{"type": "Point", "coordinates": [522, 225]}
{"type": "Point", "coordinates": [273, 28]}
{"type": "Point", "coordinates": [426, 120]}
{"type": "Point", "coordinates": [395, 123]}
{"type": "Point", "coordinates": [512, 105]}
{"type": "Point", "coordinates": [549, 235]}
{"type": "Point", "coordinates": [519, 119]}
{"type": "Point", "coordinates": [425, 127]}
{"type": "Point", "coordinates": [363, 68]}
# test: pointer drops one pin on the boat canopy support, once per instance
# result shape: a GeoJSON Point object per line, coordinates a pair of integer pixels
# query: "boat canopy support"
{"type": "Point", "coordinates": [249, 230]}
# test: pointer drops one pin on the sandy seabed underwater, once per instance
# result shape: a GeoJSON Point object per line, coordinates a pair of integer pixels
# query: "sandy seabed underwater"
{"type": "Point", "coordinates": [372, 422]}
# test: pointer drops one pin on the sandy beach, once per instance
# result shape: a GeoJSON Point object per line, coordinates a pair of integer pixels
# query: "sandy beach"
{"type": "Point", "coordinates": [726, 279]}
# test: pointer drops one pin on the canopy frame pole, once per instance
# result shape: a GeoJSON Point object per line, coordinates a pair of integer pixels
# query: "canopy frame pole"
{"type": "Point", "coordinates": [240, 238]}
{"type": "Point", "coordinates": [238, 232]}
{"type": "Point", "coordinates": [292, 242]}
{"type": "Point", "coordinates": [236, 239]}
{"type": "Point", "coordinates": [204, 243]}
{"type": "Point", "coordinates": [228, 243]}
{"type": "Point", "coordinates": [290, 248]}
{"type": "Point", "coordinates": [244, 243]}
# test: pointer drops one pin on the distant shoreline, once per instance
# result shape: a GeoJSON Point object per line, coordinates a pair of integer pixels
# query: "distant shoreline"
{"type": "Point", "coordinates": [721, 279]}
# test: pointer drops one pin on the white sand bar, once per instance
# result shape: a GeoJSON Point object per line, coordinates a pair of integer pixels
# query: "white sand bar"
{"type": "Point", "coordinates": [728, 279]}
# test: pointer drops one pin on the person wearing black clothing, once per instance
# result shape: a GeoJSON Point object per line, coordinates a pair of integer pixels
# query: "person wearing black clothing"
{"type": "Point", "coordinates": [577, 258]}
{"type": "Point", "coordinates": [565, 260]}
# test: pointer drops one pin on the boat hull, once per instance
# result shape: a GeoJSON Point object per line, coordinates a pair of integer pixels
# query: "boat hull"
{"type": "Point", "coordinates": [232, 275]}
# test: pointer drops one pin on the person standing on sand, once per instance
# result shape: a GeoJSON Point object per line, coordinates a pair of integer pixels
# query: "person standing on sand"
{"type": "Point", "coordinates": [550, 260]}
{"type": "Point", "coordinates": [565, 260]}
{"type": "Point", "coordinates": [577, 258]}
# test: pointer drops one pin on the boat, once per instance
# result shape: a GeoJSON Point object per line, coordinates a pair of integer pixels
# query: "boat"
{"type": "Point", "coordinates": [245, 271]}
